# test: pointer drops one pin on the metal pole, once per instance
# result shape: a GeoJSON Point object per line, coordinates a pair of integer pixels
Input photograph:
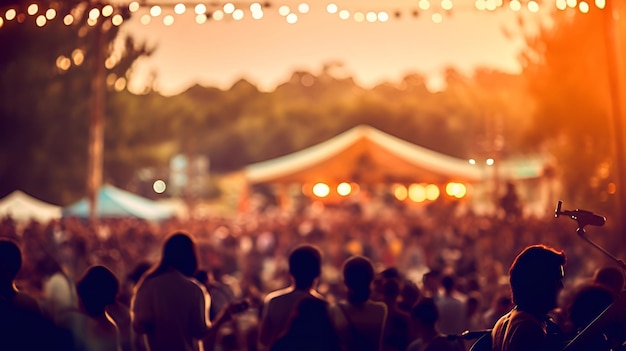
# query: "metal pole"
{"type": "Point", "coordinates": [96, 124]}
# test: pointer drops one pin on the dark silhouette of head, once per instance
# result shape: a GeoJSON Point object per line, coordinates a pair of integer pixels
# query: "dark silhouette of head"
{"type": "Point", "coordinates": [358, 274]}
{"type": "Point", "coordinates": [536, 278]}
{"type": "Point", "coordinates": [425, 312]}
{"type": "Point", "coordinates": [588, 303]}
{"type": "Point", "coordinates": [610, 277]}
{"type": "Point", "coordinates": [10, 261]}
{"type": "Point", "coordinates": [97, 289]}
{"type": "Point", "coordinates": [179, 253]}
{"type": "Point", "coordinates": [448, 283]}
{"type": "Point", "coordinates": [305, 265]}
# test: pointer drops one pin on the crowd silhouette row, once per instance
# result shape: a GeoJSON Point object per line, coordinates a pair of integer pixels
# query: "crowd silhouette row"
{"type": "Point", "coordinates": [326, 279]}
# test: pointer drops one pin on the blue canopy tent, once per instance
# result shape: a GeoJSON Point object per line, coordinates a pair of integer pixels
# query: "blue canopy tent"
{"type": "Point", "coordinates": [117, 203]}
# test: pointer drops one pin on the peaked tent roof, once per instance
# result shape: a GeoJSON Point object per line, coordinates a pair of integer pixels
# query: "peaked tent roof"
{"type": "Point", "coordinates": [364, 154]}
{"type": "Point", "coordinates": [117, 203]}
{"type": "Point", "coordinates": [23, 207]}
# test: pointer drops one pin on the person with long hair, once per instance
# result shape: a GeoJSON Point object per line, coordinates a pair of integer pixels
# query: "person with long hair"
{"type": "Point", "coordinates": [169, 306]}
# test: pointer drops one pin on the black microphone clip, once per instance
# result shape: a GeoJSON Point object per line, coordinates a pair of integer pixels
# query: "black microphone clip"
{"type": "Point", "coordinates": [583, 217]}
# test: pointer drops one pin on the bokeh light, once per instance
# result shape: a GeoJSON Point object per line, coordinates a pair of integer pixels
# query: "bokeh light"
{"type": "Point", "coordinates": [417, 193]}
{"type": "Point", "coordinates": [332, 8]}
{"type": "Point", "coordinates": [321, 190]}
{"type": "Point", "coordinates": [159, 187]}
{"type": "Point", "coordinates": [180, 8]}
{"type": "Point", "coordinates": [10, 14]}
{"type": "Point", "coordinates": [432, 192]}
{"type": "Point", "coordinates": [344, 189]}
{"type": "Point", "coordinates": [303, 8]}
{"type": "Point", "coordinates": [229, 8]}
{"type": "Point", "coordinates": [400, 192]}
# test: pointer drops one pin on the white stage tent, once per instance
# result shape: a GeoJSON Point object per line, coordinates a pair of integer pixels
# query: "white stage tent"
{"type": "Point", "coordinates": [22, 207]}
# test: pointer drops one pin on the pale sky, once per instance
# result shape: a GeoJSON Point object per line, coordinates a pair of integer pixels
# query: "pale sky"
{"type": "Point", "coordinates": [267, 51]}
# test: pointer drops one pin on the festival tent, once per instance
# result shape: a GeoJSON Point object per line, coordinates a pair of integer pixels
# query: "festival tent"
{"type": "Point", "coordinates": [22, 207]}
{"type": "Point", "coordinates": [117, 203]}
{"type": "Point", "coordinates": [364, 155]}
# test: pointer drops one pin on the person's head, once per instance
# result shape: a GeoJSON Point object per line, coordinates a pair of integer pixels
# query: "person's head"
{"type": "Point", "coordinates": [589, 301]}
{"type": "Point", "coordinates": [358, 274]}
{"type": "Point", "coordinates": [97, 289]}
{"type": "Point", "coordinates": [10, 261]}
{"type": "Point", "coordinates": [179, 252]}
{"type": "Point", "coordinates": [425, 312]}
{"type": "Point", "coordinates": [305, 265]}
{"type": "Point", "coordinates": [448, 283]}
{"type": "Point", "coordinates": [536, 278]}
{"type": "Point", "coordinates": [431, 281]}
{"type": "Point", "coordinates": [610, 277]}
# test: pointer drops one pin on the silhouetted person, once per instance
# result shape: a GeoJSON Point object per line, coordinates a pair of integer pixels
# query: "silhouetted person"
{"type": "Point", "coordinates": [59, 293]}
{"type": "Point", "coordinates": [359, 321]}
{"type": "Point", "coordinates": [305, 264]}
{"type": "Point", "coordinates": [91, 327]}
{"type": "Point", "coordinates": [425, 315]}
{"type": "Point", "coordinates": [170, 307]}
{"type": "Point", "coordinates": [451, 306]}
{"type": "Point", "coordinates": [510, 203]}
{"type": "Point", "coordinates": [309, 329]}
{"type": "Point", "coordinates": [588, 303]}
{"type": "Point", "coordinates": [536, 280]}
{"type": "Point", "coordinates": [397, 325]}
{"type": "Point", "coordinates": [610, 277]}
{"type": "Point", "coordinates": [22, 324]}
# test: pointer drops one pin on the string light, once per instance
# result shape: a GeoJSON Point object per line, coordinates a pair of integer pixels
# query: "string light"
{"type": "Point", "coordinates": [114, 14]}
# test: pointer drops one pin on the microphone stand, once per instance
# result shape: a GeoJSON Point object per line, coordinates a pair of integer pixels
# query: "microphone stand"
{"type": "Point", "coordinates": [581, 233]}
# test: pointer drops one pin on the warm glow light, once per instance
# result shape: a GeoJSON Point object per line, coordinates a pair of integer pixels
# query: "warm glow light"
{"type": "Point", "coordinates": [145, 19]}
{"type": "Point", "coordinates": [10, 14]}
{"type": "Point", "coordinates": [133, 6]}
{"type": "Point", "coordinates": [218, 15]}
{"type": "Point", "coordinates": [432, 192]}
{"type": "Point", "coordinates": [168, 20]}
{"type": "Point", "coordinates": [201, 19]}
{"type": "Point", "coordinates": [292, 18]}
{"type": "Point", "coordinates": [437, 17]}
{"type": "Point", "coordinates": [515, 5]}
{"type": "Point", "coordinates": [446, 5]}
{"type": "Point", "coordinates": [321, 190]}
{"type": "Point", "coordinates": [400, 192]}
{"type": "Point", "coordinates": [120, 84]}
{"type": "Point", "coordinates": [256, 7]}
{"type": "Point", "coordinates": [424, 4]}
{"type": "Point", "coordinates": [371, 17]}
{"type": "Point", "coordinates": [155, 11]}
{"type": "Point", "coordinates": [383, 16]}
{"type": "Point", "coordinates": [180, 8]}
{"type": "Point", "coordinates": [583, 7]}
{"type": "Point", "coordinates": [159, 186]}
{"type": "Point", "coordinates": [110, 62]}
{"type": "Point", "coordinates": [32, 9]}
{"type": "Point", "coordinates": [561, 4]}
{"type": "Point", "coordinates": [491, 5]}
{"type": "Point", "coordinates": [332, 8]}
{"type": "Point", "coordinates": [572, 3]}
{"type": "Point", "coordinates": [600, 4]}
{"type": "Point", "coordinates": [51, 14]}
{"type": "Point", "coordinates": [480, 5]}
{"type": "Point", "coordinates": [417, 193]}
{"type": "Point", "coordinates": [94, 14]}
{"type": "Point", "coordinates": [359, 17]}
{"type": "Point", "coordinates": [490, 162]}
{"type": "Point", "coordinates": [284, 10]}
{"type": "Point", "coordinates": [117, 20]}
{"type": "Point", "coordinates": [344, 14]}
{"type": "Point", "coordinates": [63, 63]}
{"type": "Point", "coordinates": [91, 22]}
{"type": "Point", "coordinates": [533, 6]}
{"type": "Point", "coordinates": [78, 57]}
{"type": "Point", "coordinates": [611, 188]}
{"type": "Point", "coordinates": [257, 15]}
{"type": "Point", "coordinates": [107, 10]}
{"type": "Point", "coordinates": [238, 14]}
{"type": "Point", "coordinates": [457, 190]}
{"type": "Point", "coordinates": [1, 22]}
{"type": "Point", "coordinates": [472, 161]}
{"type": "Point", "coordinates": [41, 21]}
{"type": "Point", "coordinates": [200, 9]}
{"type": "Point", "coordinates": [344, 189]}
{"type": "Point", "coordinates": [229, 8]}
{"type": "Point", "coordinates": [303, 8]}
{"type": "Point", "coordinates": [68, 19]}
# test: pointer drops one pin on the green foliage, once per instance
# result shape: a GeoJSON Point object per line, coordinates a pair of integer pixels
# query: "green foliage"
{"type": "Point", "coordinates": [568, 76]}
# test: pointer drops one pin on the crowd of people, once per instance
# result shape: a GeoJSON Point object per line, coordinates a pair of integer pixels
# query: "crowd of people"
{"type": "Point", "coordinates": [380, 278]}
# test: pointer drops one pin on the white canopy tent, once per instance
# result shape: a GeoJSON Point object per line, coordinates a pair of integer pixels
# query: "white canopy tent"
{"type": "Point", "coordinates": [22, 207]}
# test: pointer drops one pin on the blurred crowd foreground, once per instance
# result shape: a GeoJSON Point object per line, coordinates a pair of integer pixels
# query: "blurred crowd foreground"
{"type": "Point", "coordinates": [395, 278]}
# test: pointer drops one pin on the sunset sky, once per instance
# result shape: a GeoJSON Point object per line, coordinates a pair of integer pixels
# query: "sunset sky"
{"type": "Point", "coordinates": [267, 51]}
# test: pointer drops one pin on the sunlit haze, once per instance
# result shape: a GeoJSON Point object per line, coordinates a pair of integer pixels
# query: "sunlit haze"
{"type": "Point", "coordinates": [374, 41]}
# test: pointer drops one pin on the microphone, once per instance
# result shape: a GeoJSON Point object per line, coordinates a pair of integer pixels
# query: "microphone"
{"type": "Point", "coordinates": [581, 216]}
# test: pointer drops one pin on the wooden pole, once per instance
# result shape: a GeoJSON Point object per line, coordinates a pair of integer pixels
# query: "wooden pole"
{"type": "Point", "coordinates": [96, 124]}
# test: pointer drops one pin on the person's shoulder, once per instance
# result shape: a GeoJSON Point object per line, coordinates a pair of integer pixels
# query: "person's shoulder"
{"type": "Point", "coordinates": [281, 294]}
